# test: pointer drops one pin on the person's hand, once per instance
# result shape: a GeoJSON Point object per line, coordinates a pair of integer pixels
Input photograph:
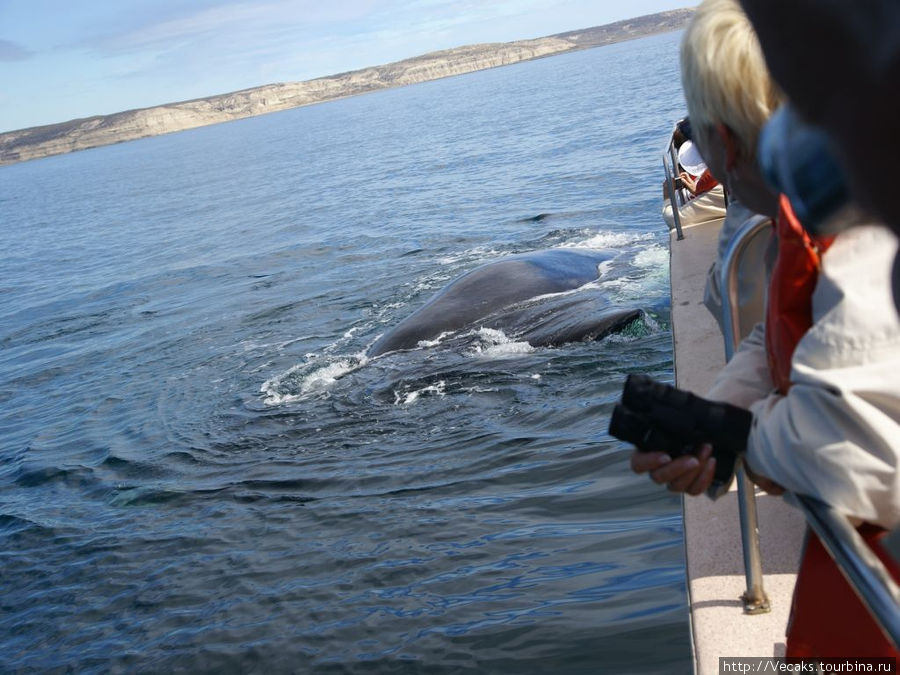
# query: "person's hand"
{"type": "Point", "coordinates": [689, 182]}
{"type": "Point", "coordinates": [691, 473]}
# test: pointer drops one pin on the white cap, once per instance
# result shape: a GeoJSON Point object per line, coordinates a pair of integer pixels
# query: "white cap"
{"type": "Point", "coordinates": [690, 159]}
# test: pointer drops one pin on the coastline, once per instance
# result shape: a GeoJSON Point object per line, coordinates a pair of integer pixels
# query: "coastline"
{"type": "Point", "coordinates": [82, 134]}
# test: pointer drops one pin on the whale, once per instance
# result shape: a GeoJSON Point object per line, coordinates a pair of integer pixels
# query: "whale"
{"type": "Point", "coordinates": [527, 296]}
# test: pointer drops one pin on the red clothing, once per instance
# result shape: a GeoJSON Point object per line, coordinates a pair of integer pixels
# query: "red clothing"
{"type": "Point", "coordinates": [706, 182]}
{"type": "Point", "coordinates": [827, 618]}
{"type": "Point", "coordinates": [789, 307]}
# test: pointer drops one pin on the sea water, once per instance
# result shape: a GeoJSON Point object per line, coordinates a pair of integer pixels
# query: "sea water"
{"type": "Point", "coordinates": [201, 470]}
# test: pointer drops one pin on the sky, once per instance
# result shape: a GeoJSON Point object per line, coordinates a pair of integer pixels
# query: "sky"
{"type": "Point", "coordinates": [65, 59]}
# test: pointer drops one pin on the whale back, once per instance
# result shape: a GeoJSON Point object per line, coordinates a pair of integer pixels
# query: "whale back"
{"type": "Point", "coordinates": [489, 289]}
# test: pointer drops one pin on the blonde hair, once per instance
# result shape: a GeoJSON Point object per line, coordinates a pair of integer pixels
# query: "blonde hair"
{"type": "Point", "coordinates": [724, 74]}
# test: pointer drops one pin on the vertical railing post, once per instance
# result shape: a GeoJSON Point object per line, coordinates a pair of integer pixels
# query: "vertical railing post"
{"type": "Point", "coordinates": [670, 163]}
{"type": "Point", "coordinates": [755, 599]}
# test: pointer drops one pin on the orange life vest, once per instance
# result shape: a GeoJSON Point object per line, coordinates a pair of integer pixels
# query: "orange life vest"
{"type": "Point", "coordinates": [827, 619]}
{"type": "Point", "coordinates": [789, 306]}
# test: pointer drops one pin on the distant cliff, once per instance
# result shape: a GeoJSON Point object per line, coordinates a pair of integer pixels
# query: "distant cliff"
{"type": "Point", "coordinates": [91, 132]}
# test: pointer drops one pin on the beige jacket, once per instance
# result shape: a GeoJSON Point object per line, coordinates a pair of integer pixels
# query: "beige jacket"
{"type": "Point", "coordinates": [836, 435]}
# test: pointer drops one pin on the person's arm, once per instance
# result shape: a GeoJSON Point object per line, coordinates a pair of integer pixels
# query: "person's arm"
{"type": "Point", "coordinates": [744, 380]}
{"type": "Point", "coordinates": [689, 182]}
{"type": "Point", "coordinates": [836, 434]}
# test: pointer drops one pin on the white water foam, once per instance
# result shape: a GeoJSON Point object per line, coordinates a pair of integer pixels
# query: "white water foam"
{"type": "Point", "coordinates": [305, 380]}
{"type": "Point", "coordinates": [408, 398]}
{"type": "Point", "coordinates": [424, 344]}
{"type": "Point", "coordinates": [482, 253]}
{"type": "Point", "coordinates": [495, 344]}
{"type": "Point", "coordinates": [655, 258]}
{"type": "Point", "coordinates": [613, 241]}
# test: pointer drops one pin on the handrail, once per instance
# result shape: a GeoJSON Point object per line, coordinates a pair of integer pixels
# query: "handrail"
{"type": "Point", "coordinates": [755, 599]}
{"type": "Point", "coordinates": [866, 573]}
{"type": "Point", "coordinates": [670, 163]}
{"type": "Point", "coordinates": [731, 318]}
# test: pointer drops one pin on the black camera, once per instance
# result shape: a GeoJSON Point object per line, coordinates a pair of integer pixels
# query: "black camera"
{"type": "Point", "coordinates": [658, 417]}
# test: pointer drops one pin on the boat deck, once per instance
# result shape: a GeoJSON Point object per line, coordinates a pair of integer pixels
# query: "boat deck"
{"type": "Point", "coordinates": [715, 567]}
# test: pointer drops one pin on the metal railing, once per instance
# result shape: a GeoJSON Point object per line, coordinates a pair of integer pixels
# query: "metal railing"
{"type": "Point", "coordinates": [755, 599]}
{"type": "Point", "coordinates": [866, 573]}
{"type": "Point", "coordinates": [677, 197]}
{"type": "Point", "coordinates": [863, 569]}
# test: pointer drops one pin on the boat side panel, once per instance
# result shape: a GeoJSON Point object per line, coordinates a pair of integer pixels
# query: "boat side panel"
{"type": "Point", "coordinates": [715, 567]}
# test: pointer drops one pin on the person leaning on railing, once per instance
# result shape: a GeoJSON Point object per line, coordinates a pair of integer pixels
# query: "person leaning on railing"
{"type": "Point", "coordinates": [695, 176]}
{"type": "Point", "coordinates": [706, 198]}
{"type": "Point", "coordinates": [820, 377]}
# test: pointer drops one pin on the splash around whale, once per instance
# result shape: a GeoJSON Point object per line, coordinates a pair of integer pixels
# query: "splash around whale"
{"type": "Point", "coordinates": [527, 296]}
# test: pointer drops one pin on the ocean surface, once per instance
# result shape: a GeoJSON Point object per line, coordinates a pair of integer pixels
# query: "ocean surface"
{"type": "Point", "coordinates": [200, 470]}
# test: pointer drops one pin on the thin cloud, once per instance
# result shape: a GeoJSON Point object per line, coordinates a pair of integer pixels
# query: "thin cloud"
{"type": "Point", "coordinates": [290, 40]}
{"type": "Point", "coordinates": [230, 20]}
{"type": "Point", "coordinates": [10, 51]}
